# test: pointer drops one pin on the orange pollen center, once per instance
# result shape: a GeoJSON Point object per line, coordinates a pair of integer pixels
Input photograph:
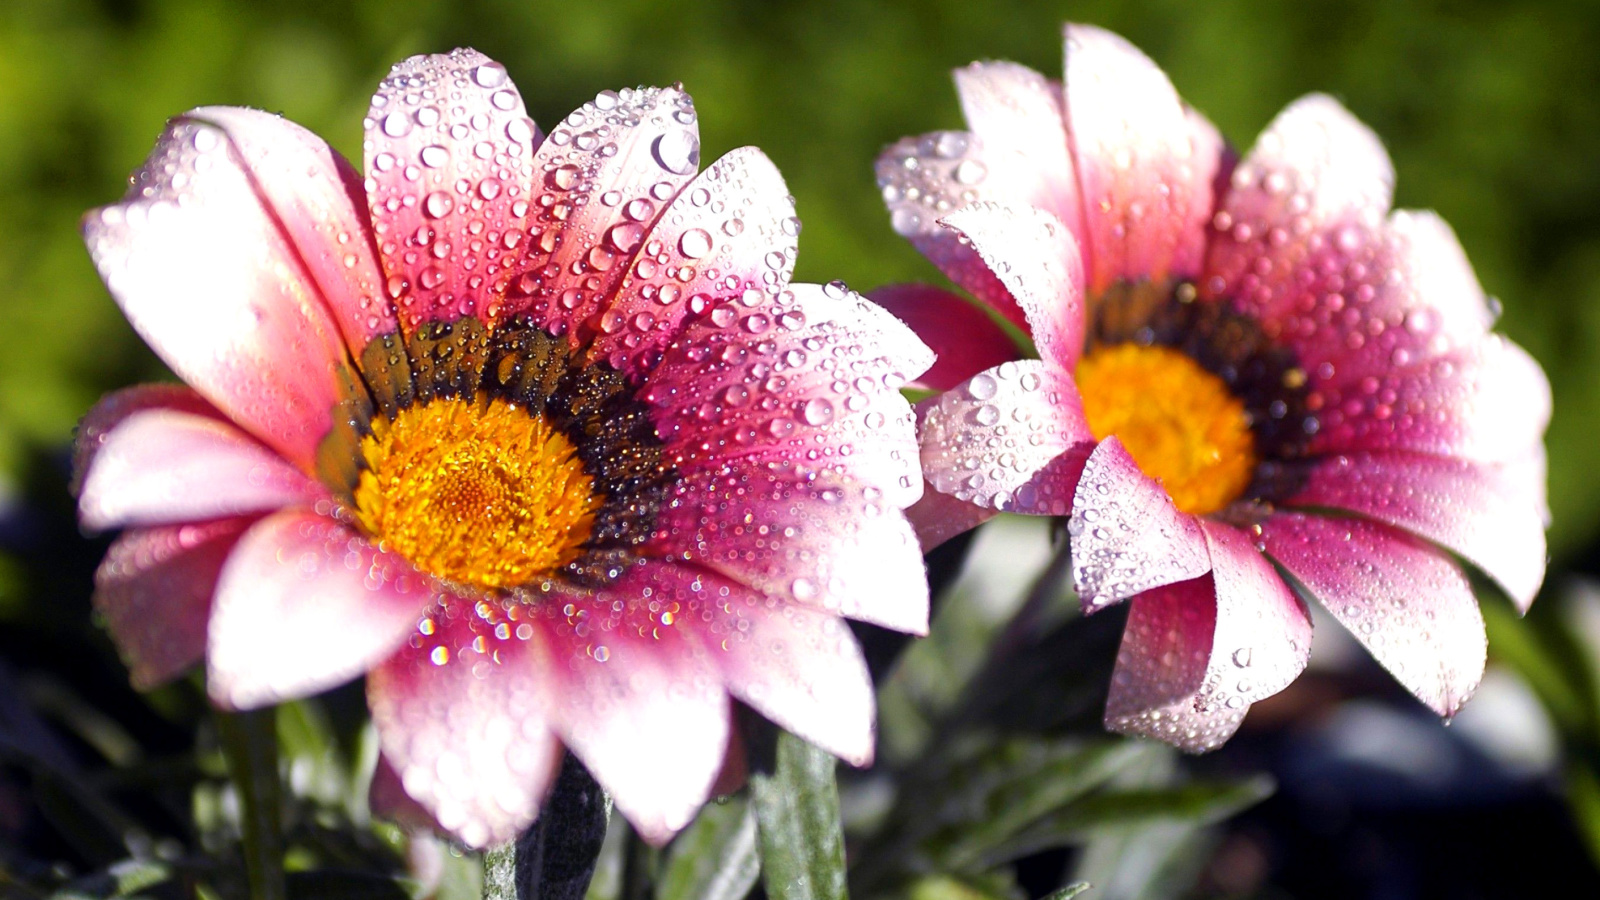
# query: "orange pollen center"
{"type": "Point", "coordinates": [477, 493]}
{"type": "Point", "coordinates": [1179, 422]}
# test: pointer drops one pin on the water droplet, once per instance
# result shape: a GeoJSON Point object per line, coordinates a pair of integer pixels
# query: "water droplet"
{"type": "Point", "coordinates": [695, 243]}
{"type": "Point", "coordinates": [678, 152]}
{"type": "Point", "coordinates": [438, 205]}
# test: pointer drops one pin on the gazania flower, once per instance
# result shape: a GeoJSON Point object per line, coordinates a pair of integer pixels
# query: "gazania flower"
{"type": "Point", "coordinates": [533, 430]}
{"type": "Point", "coordinates": [1255, 383]}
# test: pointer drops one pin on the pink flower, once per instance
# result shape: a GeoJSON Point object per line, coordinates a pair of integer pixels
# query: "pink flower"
{"type": "Point", "coordinates": [533, 430]}
{"type": "Point", "coordinates": [1256, 383]}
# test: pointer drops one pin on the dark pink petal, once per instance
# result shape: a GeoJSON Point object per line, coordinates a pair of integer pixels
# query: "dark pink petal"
{"type": "Point", "coordinates": [1193, 661]}
{"type": "Point", "coordinates": [1020, 121]}
{"type": "Point", "coordinates": [717, 261]}
{"type": "Point", "coordinates": [963, 339]}
{"type": "Point", "coordinates": [1408, 604]}
{"type": "Point", "coordinates": [387, 798]}
{"type": "Point", "coordinates": [827, 543]}
{"type": "Point", "coordinates": [318, 200]}
{"type": "Point", "coordinates": [798, 667]}
{"type": "Point", "coordinates": [462, 711]}
{"type": "Point", "coordinates": [160, 466]}
{"type": "Point", "coordinates": [208, 278]}
{"type": "Point", "coordinates": [1487, 402]}
{"type": "Point", "coordinates": [637, 698]}
{"type": "Point", "coordinates": [1144, 169]}
{"type": "Point", "coordinates": [1011, 439]}
{"type": "Point", "coordinates": [154, 590]}
{"type": "Point", "coordinates": [1481, 511]}
{"type": "Point", "coordinates": [118, 405]}
{"type": "Point", "coordinates": [1127, 535]}
{"type": "Point", "coordinates": [820, 385]}
{"type": "Point", "coordinates": [602, 181]}
{"type": "Point", "coordinates": [937, 517]}
{"type": "Point", "coordinates": [449, 151]}
{"type": "Point", "coordinates": [304, 604]}
{"type": "Point", "coordinates": [1036, 258]}
{"type": "Point", "coordinates": [1316, 178]}
{"type": "Point", "coordinates": [923, 179]}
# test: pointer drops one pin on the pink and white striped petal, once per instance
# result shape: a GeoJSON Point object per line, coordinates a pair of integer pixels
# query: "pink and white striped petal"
{"type": "Point", "coordinates": [154, 590]}
{"type": "Point", "coordinates": [204, 272]}
{"type": "Point", "coordinates": [1145, 171]}
{"type": "Point", "coordinates": [313, 192]}
{"type": "Point", "coordinates": [1011, 439]}
{"type": "Point", "coordinates": [305, 604]}
{"type": "Point", "coordinates": [821, 384]}
{"type": "Point", "coordinates": [798, 667]}
{"type": "Point", "coordinates": [937, 517]}
{"type": "Point", "coordinates": [147, 467]}
{"type": "Point", "coordinates": [923, 179]}
{"type": "Point", "coordinates": [462, 711]}
{"type": "Point", "coordinates": [1193, 661]}
{"type": "Point", "coordinates": [449, 151]}
{"type": "Point", "coordinates": [1127, 535]}
{"type": "Point", "coordinates": [1317, 179]}
{"type": "Point", "coordinates": [602, 182]}
{"type": "Point", "coordinates": [825, 543]}
{"type": "Point", "coordinates": [637, 698]}
{"type": "Point", "coordinates": [1020, 120]}
{"type": "Point", "coordinates": [1404, 601]}
{"type": "Point", "coordinates": [715, 263]}
{"type": "Point", "coordinates": [1037, 259]}
{"type": "Point", "coordinates": [1487, 402]}
{"type": "Point", "coordinates": [116, 406]}
{"type": "Point", "coordinates": [1481, 511]}
{"type": "Point", "coordinates": [964, 340]}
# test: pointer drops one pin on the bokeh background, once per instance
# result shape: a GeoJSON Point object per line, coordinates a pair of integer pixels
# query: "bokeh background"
{"type": "Point", "coordinates": [1491, 112]}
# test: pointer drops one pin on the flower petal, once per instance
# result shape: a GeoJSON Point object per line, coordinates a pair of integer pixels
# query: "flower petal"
{"type": "Point", "coordinates": [822, 542]}
{"type": "Point", "coordinates": [1012, 439]}
{"type": "Point", "coordinates": [638, 701]}
{"type": "Point", "coordinates": [798, 667]}
{"type": "Point", "coordinates": [316, 196]}
{"type": "Point", "coordinates": [304, 604]}
{"type": "Point", "coordinates": [154, 590]}
{"type": "Point", "coordinates": [1145, 170]}
{"type": "Point", "coordinates": [1197, 653]}
{"type": "Point", "coordinates": [1036, 258]}
{"type": "Point", "coordinates": [206, 275]}
{"type": "Point", "coordinates": [1487, 402]}
{"type": "Point", "coordinates": [449, 152]}
{"type": "Point", "coordinates": [1482, 512]}
{"type": "Point", "coordinates": [1127, 535]}
{"type": "Point", "coordinates": [462, 712]}
{"type": "Point", "coordinates": [717, 261]}
{"type": "Point", "coordinates": [1409, 605]}
{"type": "Point", "coordinates": [604, 180]}
{"type": "Point", "coordinates": [937, 517]}
{"type": "Point", "coordinates": [160, 466]}
{"type": "Point", "coordinates": [822, 384]}
{"type": "Point", "coordinates": [963, 339]}
{"type": "Point", "coordinates": [1315, 171]}
{"type": "Point", "coordinates": [1019, 117]}
{"type": "Point", "coordinates": [116, 406]}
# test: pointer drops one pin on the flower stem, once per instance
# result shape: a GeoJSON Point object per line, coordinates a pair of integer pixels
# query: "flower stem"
{"type": "Point", "coordinates": [250, 746]}
{"type": "Point", "coordinates": [796, 801]}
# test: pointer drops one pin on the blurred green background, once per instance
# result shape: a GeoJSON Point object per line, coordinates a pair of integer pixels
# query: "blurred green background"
{"type": "Point", "coordinates": [1491, 111]}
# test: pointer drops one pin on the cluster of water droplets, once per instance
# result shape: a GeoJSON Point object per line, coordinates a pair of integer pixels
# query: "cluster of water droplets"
{"type": "Point", "coordinates": [925, 178]}
{"type": "Point", "coordinates": [449, 150]}
{"type": "Point", "coordinates": [818, 383]}
{"type": "Point", "coordinates": [990, 440]}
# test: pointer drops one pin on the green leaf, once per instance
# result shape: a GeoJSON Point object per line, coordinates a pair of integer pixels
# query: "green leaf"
{"type": "Point", "coordinates": [1194, 804]}
{"type": "Point", "coordinates": [339, 885]}
{"type": "Point", "coordinates": [250, 743]}
{"type": "Point", "coordinates": [716, 858]}
{"type": "Point", "coordinates": [1068, 892]}
{"type": "Point", "coordinates": [796, 803]}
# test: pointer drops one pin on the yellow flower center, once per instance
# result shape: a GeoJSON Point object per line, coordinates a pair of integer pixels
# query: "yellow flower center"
{"type": "Point", "coordinates": [476, 492]}
{"type": "Point", "coordinates": [1179, 422]}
